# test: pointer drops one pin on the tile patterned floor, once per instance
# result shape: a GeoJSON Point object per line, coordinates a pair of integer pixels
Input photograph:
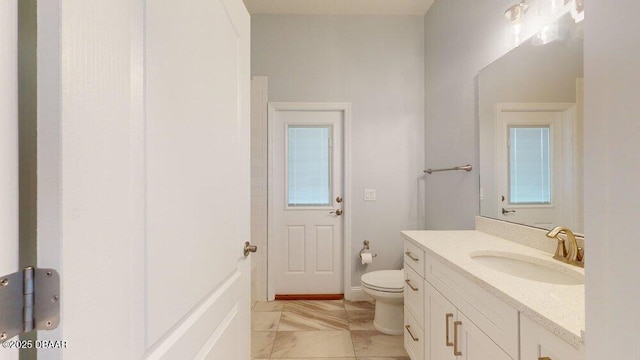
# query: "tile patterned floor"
{"type": "Point", "coordinates": [318, 330]}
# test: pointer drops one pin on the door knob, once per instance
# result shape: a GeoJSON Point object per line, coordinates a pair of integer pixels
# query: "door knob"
{"type": "Point", "coordinates": [337, 212]}
{"type": "Point", "coordinates": [249, 248]}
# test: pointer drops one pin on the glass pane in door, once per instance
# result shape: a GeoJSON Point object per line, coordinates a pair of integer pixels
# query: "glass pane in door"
{"type": "Point", "coordinates": [529, 165]}
{"type": "Point", "coordinates": [309, 165]}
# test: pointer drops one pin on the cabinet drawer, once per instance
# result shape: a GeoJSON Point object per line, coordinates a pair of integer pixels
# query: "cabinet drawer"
{"type": "Point", "coordinates": [536, 342]}
{"type": "Point", "coordinates": [414, 257]}
{"type": "Point", "coordinates": [413, 337]}
{"type": "Point", "coordinates": [414, 294]}
{"type": "Point", "coordinates": [497, 319]}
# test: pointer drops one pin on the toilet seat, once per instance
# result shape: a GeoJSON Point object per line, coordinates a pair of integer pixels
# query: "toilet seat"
{"type": "Point", "coordinates": [390, 281]}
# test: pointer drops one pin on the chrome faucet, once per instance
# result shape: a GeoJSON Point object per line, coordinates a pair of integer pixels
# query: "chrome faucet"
{"type": "Point", "coordinates": [575, 254]}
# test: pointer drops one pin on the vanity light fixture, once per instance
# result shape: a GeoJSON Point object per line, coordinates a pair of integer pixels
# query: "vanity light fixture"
{"type": "Point", "coordinates": [578, 11]}
{"type": "Point", "coordinates": [514, 14]}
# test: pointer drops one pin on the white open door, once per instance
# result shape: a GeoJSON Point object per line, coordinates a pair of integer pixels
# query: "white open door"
{"type": "Point", "coordinates": [8, 146]}
{"type": "Point", "coordinates": [150, 190]}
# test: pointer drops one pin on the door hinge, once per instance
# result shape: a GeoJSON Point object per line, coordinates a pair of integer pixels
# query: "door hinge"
{"type": "Point", "coordinates": [29, 300]}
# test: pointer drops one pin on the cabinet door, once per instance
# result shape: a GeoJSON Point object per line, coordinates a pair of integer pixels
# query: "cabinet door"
{"type": "Point", "coordinates": [473, 344]}
{"type": "Point", "coordinates": [414, 294]}
{"type": "Point", "coordinates": [536, 342]}
{"type": "Point", "coordinates": [440, 315]}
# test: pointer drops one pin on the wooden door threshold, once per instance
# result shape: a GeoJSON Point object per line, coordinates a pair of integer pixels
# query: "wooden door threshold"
{"type": "Point", "coordinates": [310, 297]}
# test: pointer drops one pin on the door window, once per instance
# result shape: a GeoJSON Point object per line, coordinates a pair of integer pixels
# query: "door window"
{"type": "Point", "coordinates": [308, 165]}
{"type": "Point", "coordinates": [529, 165]}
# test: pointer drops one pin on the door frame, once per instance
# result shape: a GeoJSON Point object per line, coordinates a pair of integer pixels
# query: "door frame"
{"type": "Point", "coordinates": [569, 131]}
{"type": "Point", "coordinates": [345, 108]}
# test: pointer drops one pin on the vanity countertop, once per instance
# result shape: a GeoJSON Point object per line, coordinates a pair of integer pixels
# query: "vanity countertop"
{"type": "Point", "coordinates": [558, 308]}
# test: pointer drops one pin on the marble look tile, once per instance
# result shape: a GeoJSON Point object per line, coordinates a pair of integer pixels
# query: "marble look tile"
{"type": "Point", "coordinates": [372, 343]}
{"type": "Point", "coordinates": [359, 305]}
{"type": "Point", "coordinates": [268, 306]}
{"type": "Point", "coordinates": [361, 319]}
{"type": "Point", "coordinates": [317, 320]}
{"type": "Point", "coordinates": [265, 321]}
{"type": "Point", "coordinates": [306, 344]}
{"type": "Point", "coordinates": [262, 343]}
{"type": "Point", "coordinates": [311, 305]}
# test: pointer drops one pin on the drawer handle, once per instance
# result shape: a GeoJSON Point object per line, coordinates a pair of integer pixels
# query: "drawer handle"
{"type": "Point", "coordinates": [411, 286]}
{"type": "Point", "coordinates": [455, 338]}
{"type": "Point", "coordinates": [446, 320]}
{"type": "Point", "coordinates": [544, 358]}
{"type": "Point", "coordinates": [408, 327]}
{"type": "Point", "coordinates": [408, 253]}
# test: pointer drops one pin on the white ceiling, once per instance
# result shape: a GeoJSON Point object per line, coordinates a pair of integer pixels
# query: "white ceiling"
{"type": "Point", "coordinates": [339, 7]}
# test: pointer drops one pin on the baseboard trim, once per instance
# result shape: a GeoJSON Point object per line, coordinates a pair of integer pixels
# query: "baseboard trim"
{"type": "Point", "coordinates": [310, 297]}
{"type": "Point", "coordinates": [358, 295]}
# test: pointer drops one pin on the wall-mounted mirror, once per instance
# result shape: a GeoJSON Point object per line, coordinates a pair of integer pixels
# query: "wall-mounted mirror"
{"type": "Point", "coordinates": [530, 116]}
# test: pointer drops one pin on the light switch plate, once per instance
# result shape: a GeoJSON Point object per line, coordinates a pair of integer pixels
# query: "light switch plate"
{"type": "Point", "coordinates": [369, 194]}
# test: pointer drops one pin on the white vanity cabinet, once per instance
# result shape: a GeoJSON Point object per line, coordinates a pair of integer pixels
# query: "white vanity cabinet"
{"type": "Point", "coordinates": [538, 343]}
{"type": "Point", "coordinates": [436, 323]}
{"type": "Point", "coordinates": [453, 313]}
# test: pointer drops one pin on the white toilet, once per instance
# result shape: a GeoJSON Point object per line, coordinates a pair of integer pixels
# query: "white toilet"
{"type": "Point", "coordinates": [387, 288]}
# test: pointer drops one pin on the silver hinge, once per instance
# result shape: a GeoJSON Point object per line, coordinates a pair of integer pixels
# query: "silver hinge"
{"type": "Point", "coordinates": [29, 300]}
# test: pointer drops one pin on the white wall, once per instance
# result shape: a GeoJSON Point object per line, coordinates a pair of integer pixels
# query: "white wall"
{"type": "Point", "coordinates": [461, 38]}
{"type": "Point", "coordinates": [375, 63]}
{"type": "Point", "coordinates": [612, 177]}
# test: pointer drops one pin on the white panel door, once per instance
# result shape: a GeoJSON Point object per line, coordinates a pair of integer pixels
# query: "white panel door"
{"type": "Point", "coordinates": [530, 167]}
{"type": "Point", "coordinates": [197, 185]}
{"type": "Point", "coordinates": [8, 145]}
{"type": "Point", "coordinates": [307, 197]}
{"type": "Point", "coordinates": [154, 180]}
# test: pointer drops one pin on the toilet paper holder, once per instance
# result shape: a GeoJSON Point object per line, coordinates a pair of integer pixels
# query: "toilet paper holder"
{"type": "Point", "coordinates": [366, 247]}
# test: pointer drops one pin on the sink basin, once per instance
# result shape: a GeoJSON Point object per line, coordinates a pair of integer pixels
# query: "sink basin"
{"type": "Point", "coordinates": [528, 267]}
